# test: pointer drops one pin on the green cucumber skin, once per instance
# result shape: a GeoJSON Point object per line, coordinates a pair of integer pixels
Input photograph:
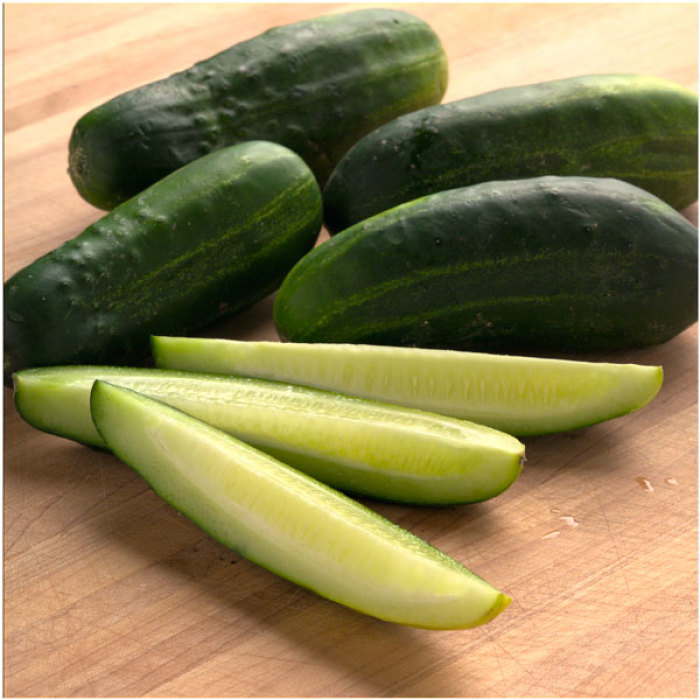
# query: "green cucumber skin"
{"type": "Point", "coordinates": [635, 128]}
{"type": "Point", "coordinates": [555, 264]}
{"type": "Point", "coordinates": [201, 244]}
{"type": "Point", "coordinates": [315, 86]}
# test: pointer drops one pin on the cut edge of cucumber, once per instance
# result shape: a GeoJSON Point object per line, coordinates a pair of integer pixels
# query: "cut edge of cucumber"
{"type": "Point", "coordinates": [520, 395]}
{"type": "Point", "coordinates": [288, 522]}
{"type": "Point", "coordinates": [359, 446]}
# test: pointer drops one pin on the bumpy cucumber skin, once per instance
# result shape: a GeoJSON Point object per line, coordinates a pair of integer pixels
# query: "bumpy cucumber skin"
{"type": "Point", "coordinates": [206, 241]}
{"type": "Point", "coordinates": [315, 86]}
{"type": "Point", "coordinates": [635, 128]}
{"type": "Point", "coordinates": [556, 264]}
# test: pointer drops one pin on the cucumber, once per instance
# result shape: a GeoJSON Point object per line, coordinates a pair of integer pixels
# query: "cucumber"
{"type": "Point", "coordinates": [535, 266]}
{"type": "Point", "coordinates": [364, 447]}
{"type": "Point", "coordinates": [315, 86]}
{"type": "Point", "coordinates": [635, 128]}
{"type": "Point", "coordinates": [288, 522]}
{"type": "Point", "coordinates": [201, 244]}
{"type": "Point", "coordinates": [522, 396]}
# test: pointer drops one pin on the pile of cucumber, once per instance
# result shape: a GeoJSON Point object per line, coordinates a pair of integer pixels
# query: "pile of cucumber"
{"type": "Point", "coordinates": [537, 219]}
{"type": "Point", "coordinates": [530, 219]}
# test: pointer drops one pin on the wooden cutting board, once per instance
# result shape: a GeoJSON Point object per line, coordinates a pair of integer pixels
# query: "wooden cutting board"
{"type": "Point", "coordinates": [110, 592]}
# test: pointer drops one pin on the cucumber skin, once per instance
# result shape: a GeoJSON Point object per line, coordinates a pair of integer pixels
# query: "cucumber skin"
{"type": "Point", "coordinates": [635, 128]}
{"type": "Point", "coordinates": [203, 243]}
{"type": "Point", "coordinates": [315, 86]}
{"type": "Point", "coordinates": [555, 264]}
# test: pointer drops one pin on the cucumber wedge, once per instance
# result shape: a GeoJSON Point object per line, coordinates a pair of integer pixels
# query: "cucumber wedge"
{"type": "Point", "coordinates": [378, 450]}
{"type": "Point", "coordinates": [288, 522]}
{"type": "Point", "coordinates": [522, 396]}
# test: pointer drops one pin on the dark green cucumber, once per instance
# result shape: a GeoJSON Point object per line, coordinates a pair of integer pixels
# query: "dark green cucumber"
{"type": "Point", "coordinates": [315, 86]}
{"type": "Point", "coordinates": [560, 264]}
{"type": "Point", "coordinates": [204, 242]}
{"type": "Point", "coordinates": [635, 128]}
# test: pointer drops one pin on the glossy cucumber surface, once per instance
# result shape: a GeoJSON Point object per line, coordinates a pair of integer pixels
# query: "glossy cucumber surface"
{"type": "Point", "coordinates": [201, 244]}
{"type": "Point", "coordinates": [315, 86]}
{"type": "Point", "coordinates": [636, 128]}
{"type": "Point", "coordinates": [555, 264]}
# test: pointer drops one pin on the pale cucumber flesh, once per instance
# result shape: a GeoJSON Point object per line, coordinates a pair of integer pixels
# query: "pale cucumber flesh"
{"type": "Point", "coordinates": [287, 521]}
{"type": "Point", "coordinates": [361, 446]}
{"type": "Point", "coordinates": [522, 396]}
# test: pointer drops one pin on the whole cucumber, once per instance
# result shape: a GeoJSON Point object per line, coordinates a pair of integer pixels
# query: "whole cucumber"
{"type": "Point", "coordinates": [315, 86]}
{"type": "Point", "coordinates": [551, 264]}
{"type": "Point", "coordinates": [635, 128]}
{"type": "Point", "coordinates": [204, 242]}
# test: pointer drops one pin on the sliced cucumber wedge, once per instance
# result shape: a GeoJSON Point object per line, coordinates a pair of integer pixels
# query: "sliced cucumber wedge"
{"type": "Point", "coordinates": [355, 445]}
{"type": "Point", "coordinates": [522, 396]}
{"type": "Point", "coordinates": [287, 521]}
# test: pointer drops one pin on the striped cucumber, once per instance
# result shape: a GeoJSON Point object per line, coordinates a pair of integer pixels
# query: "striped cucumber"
{"type": "Point", "coordinates": [635, 128]}
{"type": "Point", "coordinates": [201, 244]}
{"type": "Point", "coordinates": [315, 86]}
{"type": "Point", "coordinates": [552, 264]}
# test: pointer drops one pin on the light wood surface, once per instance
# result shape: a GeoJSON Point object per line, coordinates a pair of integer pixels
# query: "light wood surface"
{"type": "Point", "coordinates": [110, 592]}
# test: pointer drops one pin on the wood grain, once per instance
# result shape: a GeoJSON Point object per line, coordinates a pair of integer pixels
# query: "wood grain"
{"type": "Point", "coordinates": [110, 592]}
